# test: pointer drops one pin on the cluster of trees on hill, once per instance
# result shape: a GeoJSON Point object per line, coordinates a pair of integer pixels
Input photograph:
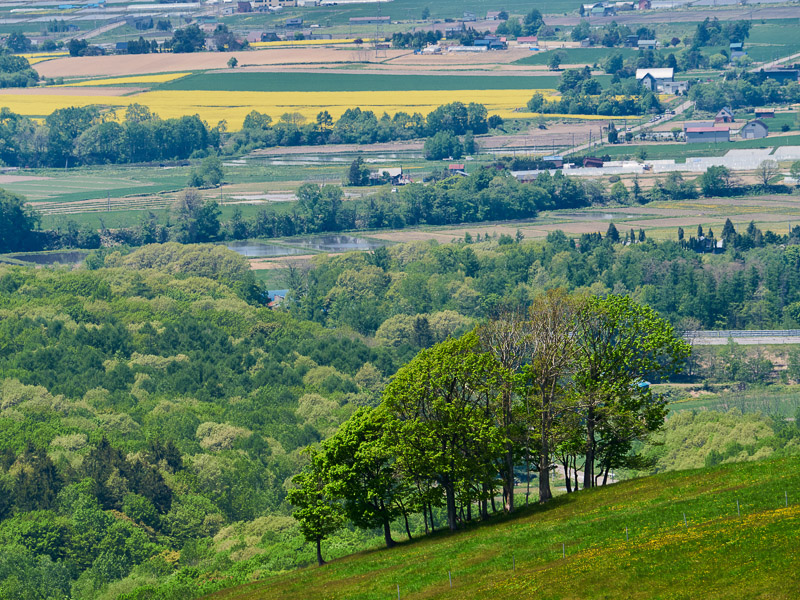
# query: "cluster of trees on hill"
{"type": "Point", "coordinates": [85, 135]}
{"type": "Point", "coordinates": [416, 40]}
{"type": "Point", "coordinates": [145, 408]}
{"type": "Point", "coordinates": [562, 381]}
{"type": "Point", "coordinates": [358, 126]}
{"type": "Point", "coordinates": [16, 71]}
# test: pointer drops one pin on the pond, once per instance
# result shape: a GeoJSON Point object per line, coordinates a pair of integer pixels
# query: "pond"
{"type": "Point", "coordinates": [50, 258]}
{"type": "Point", "coordinates": [261, 250]}
{"type": "Point", "coordinates": [336, 243]}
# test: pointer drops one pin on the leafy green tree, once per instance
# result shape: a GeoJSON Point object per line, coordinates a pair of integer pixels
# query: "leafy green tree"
{"type": "Point", "coordinates": [360, 468]}
{"type": "Point", "coordinates": [612, 233]}
{"type": "Point", "coordinates": [620, 342]}
{"type": "Point", "coordinates": [440, 431]}
{"type": "Point", "coordinates": [18, 42]}
{"type": "Point", "coordinates": [555, 61]}
{"type": "Point", "coordinates": [358, 173]}
{"type": "Point", "coordinates": [316, 510]}
{"type": "Point", "coordinates": [442, 145]}
{"type": "Point", "coordinates": [188, 39]}
{"type": "Point", "coordinates": [715, 181]}
{"type": "Point", "coordinates": [18, 223]}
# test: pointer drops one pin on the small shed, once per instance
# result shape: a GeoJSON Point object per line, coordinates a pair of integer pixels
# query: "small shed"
{"type": "Point", "coordinates": [457, 169]}
{"type": "Point", "coordinates": [647, 44]}
{"type": "Point", "coordinates": [591, 161]}
{"type": "Point", "coordinates": [765, 113]}
{"type": "Point", "coordinates": [556, 160]}
{"type": "Point", "coordinates": [725, 115]}
{"type": "Point", "coordinates": [493, 15]}
{"type": "Point", "coordinates": [244, 7]}
{"type": "Point", "coordinates": [754, 130]}
{"type": "Point", "coordinates": [632, 41]}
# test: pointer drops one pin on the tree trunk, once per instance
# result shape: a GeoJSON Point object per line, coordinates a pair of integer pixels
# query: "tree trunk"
{"type": "Point", "coordinates": [425, 516]}
{"type": "Point", "coordinates": [567, 475]}
{"type": "Point", "coordinates": [494, 508]}
{"type": "Point", "coordinates": [508, 479]}
{"type": "Point", "coordinates": [320, 562]}
{"type": "Point", "coordinates": [452, 512]}
{"type": "Point", "coordinates": [408, 529]}
{"type": "Point", "coordinates": [588, 467]}
{"type": "Point", "coordinates": [387, 534]}
{"type": "Point", "coordinates": [430, 512]}
{"type": "Point", "coordinates": [544, 461]}
{"type": "Point", "coordinates": [605, 475]}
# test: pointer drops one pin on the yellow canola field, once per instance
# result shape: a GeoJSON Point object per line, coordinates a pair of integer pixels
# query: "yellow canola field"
{"type": "Point", "coordinates": [214, 106]}
{"type": "Point", "coordinates": [38, 57]}
{"type": "Point", "coordinates": [155, 78]}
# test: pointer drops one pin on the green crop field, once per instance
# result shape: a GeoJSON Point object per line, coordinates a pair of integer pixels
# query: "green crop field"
{"type": "Point", "coordinates": [628, 540]}
{"type": "Point", "coordinates": [353, 82]}
{"type": "Point", "coordinates": [773, 40]}
{"type": "Point", "coordinates": [577, 56]}
{"type": "Point", "coordinates": [404, 10]}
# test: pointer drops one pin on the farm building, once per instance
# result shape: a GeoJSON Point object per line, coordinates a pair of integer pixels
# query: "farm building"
{"type": "Point", "coordinates": [528, 39]}
{"type": "Point", "coordinates": [765, 113]}
{"type": "Point", "coordinates": [556, 160]}
{"type": "Point", "coordinates": [754, 130]}
{"type": "Point", "coordinates": [647, 44]}
{"type": "Point", "coordinates": [370, 20]}
{"type": "Point", "coordinates": [457, 169]}
{"type": "Point", "coordinates": [737, 50]}
{"type": "Point", "coordinates": [590, 161]}
{"type": "Point", "coordinates": [644, 4]}
{"type": "Point", "coordinates": [725, 115]}
{"type": "Point", "coordinates": [660, 80]}
{"type": "Point", "coordinates": [393, 175]}
{"type": "Point", "coordinates": [469, 17]}
{"type": "Point", "coordinates": [780, 75]}
{"type": "Point", "coordinates": [632, 41]}
{"type": "Point", "coordinates": [491, 44]}
{"type": "Point", "coordinates": [244, 7]}
{"type": "Point", "coordinates": [598, 9]}
{"type": "Point", "coordinates": [716, 135]}
{"type": "Point", "coordinates": [493, 15]}
{"type": "Point", "coordinates": [294, 22]}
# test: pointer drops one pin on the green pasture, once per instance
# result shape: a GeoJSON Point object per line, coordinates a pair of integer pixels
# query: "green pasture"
{"type": "Point", "coordinates": [353, 82]}
{"type": "Point", "coordinates": [576, 56]}
{"type": "Point", "coordinates": [773, 40]}
{"type": "Point", "coordinates": [627, 540]}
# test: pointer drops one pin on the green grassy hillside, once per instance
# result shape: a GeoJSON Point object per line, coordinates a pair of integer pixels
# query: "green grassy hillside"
{"type": "Point", "coordinates": [717, 554]}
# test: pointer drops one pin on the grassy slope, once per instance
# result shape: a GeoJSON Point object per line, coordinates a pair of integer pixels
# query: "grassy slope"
{"type": "Point", "coordinates": [719, 555]}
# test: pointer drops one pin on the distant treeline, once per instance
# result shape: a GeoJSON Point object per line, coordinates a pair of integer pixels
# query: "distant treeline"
{"type": "Point", "coordinates": [486, 195]}
{"type": "Point", "coordinates": [358, 126]}
{"type": "Point", "coordinates": [85, 135]}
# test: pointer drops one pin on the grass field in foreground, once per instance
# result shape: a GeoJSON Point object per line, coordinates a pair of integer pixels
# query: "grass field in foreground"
{"type": "Point", "coordinates": [717, 554]}
{"type": "Point", "coordinates": [355, 82]}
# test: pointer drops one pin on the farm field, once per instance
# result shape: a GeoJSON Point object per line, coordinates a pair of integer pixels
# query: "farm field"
{"type": "Point", "coordinates": [233, 107]}
{"type": "Point", "coordinates": [576, 56]}
{"type": "Point", "coordinates": [600, 543]}
{"type": "Point", "coordinates": [357, 82]}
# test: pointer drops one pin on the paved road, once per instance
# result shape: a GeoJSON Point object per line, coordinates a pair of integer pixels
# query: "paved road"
{"type": "Point", "coordinates": [752, 338]}
{"type": "Point", "coordinates": [661, 118]}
